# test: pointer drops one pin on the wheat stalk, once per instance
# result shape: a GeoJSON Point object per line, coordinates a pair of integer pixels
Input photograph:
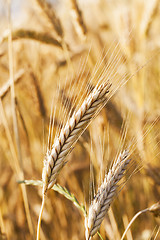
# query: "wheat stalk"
{"type": "Point", "coordinates": [105, 195]}
{"type": "Point", "coordinates": [61, 190]}
{"type": "Point", "coordinates": [6, 87]}
{"type": "Point", "coordinates": [155, 209]}
{"type": "Point", "coordinates": [55, 158]}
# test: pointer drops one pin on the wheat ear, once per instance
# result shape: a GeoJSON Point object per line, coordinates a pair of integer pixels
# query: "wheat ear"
{"type": "Point", "coordinates": [55, 158]}
{"type": "Point", "coordinates": [105, 195]}
{"type": "Point", "coordinates": [78, 21]}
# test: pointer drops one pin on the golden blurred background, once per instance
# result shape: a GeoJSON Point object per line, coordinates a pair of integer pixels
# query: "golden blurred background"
{"type": "Point", "coordinates": [50, 41]}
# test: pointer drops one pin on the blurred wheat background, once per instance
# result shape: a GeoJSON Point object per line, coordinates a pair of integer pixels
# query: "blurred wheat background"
{"type": "Point", "coordinates": [50, 40]}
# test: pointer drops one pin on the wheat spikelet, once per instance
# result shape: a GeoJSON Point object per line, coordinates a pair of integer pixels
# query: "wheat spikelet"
{"type": "Point", "coordinates": [105, 195]}
{"type": "Point", "coordinates": [55, 158]}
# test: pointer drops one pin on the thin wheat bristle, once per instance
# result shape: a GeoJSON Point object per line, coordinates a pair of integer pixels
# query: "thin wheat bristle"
{"type": "Point", "coordinates": [55, 158]}
{"type": "Point", "coordinates": [105, 195]}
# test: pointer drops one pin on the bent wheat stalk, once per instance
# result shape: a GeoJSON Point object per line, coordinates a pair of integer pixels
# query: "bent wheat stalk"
{"type": "Point", "coordinates": [56, 157]}
{"type": "Point", "coordinates": [155, 209]}
{"type": "Point", "coordinates": [105, 195]}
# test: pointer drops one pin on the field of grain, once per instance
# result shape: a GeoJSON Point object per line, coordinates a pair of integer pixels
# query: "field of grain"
{"type": "Point", "coordinates": [52, 53]}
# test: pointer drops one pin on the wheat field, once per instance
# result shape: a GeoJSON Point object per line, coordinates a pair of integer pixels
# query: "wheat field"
{"type": "Point", "coordinates": [87, 72]}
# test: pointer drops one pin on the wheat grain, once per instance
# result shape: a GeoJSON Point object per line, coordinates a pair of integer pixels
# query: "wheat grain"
{"type": "Point", "coordinates": [55, 158]}
{"type": "Point", "coordinates": [105, 195]}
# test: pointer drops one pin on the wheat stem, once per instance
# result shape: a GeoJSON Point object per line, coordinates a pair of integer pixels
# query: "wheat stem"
{"type": "Point", "coordinates": [133, 219]}
{"type": "Point", "coordinates": [15, 121]}
{"type": "Point", "coordinates": [155, 209]}
{"type": "Point", "coordinates": [40, 217]}
{"type": "Point", "coordinates": [5, 88]}
{"type": "Point", "coordinates": [99, 235]}
{"type": "Point", "coordinates": [58, 188]}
